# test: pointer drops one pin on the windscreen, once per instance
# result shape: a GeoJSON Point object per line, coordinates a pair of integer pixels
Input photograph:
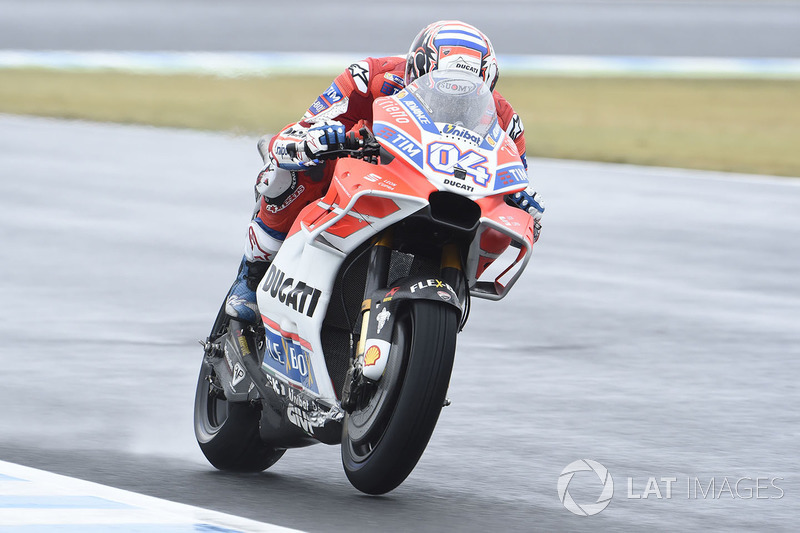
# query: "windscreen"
{"type": "Point", "coordinates": [456, 97]}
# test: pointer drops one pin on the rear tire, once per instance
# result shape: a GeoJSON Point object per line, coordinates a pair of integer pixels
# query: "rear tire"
{"type": "Point", "coordinates": [228, 433]}
{"type": "Point", "coordinates": [425, 339]}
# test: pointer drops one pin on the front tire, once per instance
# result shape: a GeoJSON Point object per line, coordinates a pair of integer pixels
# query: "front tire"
{"type": "Point", "coordinates": [380, 457]}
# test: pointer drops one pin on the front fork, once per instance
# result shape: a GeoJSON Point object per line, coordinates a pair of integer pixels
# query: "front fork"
{"type": "Point", "coordinates": [377, 277]}
{"type": "Point", "coordinates": [451, 272]}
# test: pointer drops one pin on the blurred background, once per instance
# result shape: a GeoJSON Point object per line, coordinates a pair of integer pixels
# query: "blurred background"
{"type": "Point", "coordinates": [716, 28]}
{"type": "Point", "coordinates": [697, 84]}
{"type": "Point", "coordinates": [655, 330]}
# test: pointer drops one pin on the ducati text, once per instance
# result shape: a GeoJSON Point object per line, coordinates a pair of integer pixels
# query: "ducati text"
{"type": "Point", "coordinates": [297, 295]}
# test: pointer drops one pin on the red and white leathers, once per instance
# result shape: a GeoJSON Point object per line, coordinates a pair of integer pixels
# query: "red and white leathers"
{"type": "Point", "coordinates": [292, 180]}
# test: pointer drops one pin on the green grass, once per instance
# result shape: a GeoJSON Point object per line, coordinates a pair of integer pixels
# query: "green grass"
{"type": "Point", "coordinates": [741, 125]}
{"type": "Point", "coordinates": [730, 125]}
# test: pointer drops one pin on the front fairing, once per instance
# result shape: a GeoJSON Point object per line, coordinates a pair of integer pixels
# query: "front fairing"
{"type": "Point", "coordinates": [466, 152]}
{"type": "Point", "coordinates": [445, 125]}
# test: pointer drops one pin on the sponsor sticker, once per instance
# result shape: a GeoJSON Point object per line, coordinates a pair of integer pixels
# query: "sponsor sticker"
{"type": "Point", "coordinates": [372, 355]}
{"type": "Point", "coordinates": [459, 185]}
{"type": "Point", "coordinates": [298, 295]}
{"type": "Point", "coordinates": [515, 127]}
{"type": "Point", "coordinates": [360, 73]}
{"type": "Point", "coordinates": [333, 94]}
{"type": "Point", "coordinates": [390, 294]}
{"type": "Point", "coordinates": [275, 385]}
{"type": "Point", "coordinates": [419, 112]}
{"type": "Point", "coordinates": [297, 399]}
{"type": "Point", "coordinates": [289, 358]}
{"type": "Point", "coordinates": [238, 374]}
{"type": "Point", "coordinates": [455, 87]}
{"type": "Point", "coordinates": [243, 345]}
{"type": "Point", "coordinates": [382, 317]}
{"type": "Point", "coordinates": [299, 418]}
{"type": "Point", "coordinates": [468, 64]}
{"type": "Point", "coordinates": [402, 143]}
{"type": "Point", "coordinates": [272, 208]}
{"type": "Point", "coordinates": [388, 88]}
{"type": "Point", "coordinates": [509, 176]}
{"type": "Point", "coordinates": [463, 133]}
{"type": "Point", "coordinates": [435, 283]}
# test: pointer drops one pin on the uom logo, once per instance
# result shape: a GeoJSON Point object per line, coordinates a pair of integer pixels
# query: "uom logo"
{"type": "Point", "coordinates": [585, 509]}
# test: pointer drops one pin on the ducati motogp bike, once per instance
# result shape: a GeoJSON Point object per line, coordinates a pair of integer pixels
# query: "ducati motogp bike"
{"type": "Point", "coordinates": [362, 304]}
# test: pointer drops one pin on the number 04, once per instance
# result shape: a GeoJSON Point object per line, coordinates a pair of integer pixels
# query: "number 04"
{"type": "Point", "coordinates": [442, 157]}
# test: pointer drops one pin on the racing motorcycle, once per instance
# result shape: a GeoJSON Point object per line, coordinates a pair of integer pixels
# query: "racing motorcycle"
{"type": "Point", "coordinates": [362, 304]}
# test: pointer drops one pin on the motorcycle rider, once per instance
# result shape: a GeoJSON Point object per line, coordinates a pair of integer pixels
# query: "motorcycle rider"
{"type": "Point", "coordinates": [294, 176]}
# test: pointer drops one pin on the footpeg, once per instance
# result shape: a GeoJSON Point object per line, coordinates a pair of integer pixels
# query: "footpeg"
{"type": "Point", "coordinates": [211, 349]}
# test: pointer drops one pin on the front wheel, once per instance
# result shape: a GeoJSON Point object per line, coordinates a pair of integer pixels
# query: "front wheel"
{"type": "Point", "coordinates": [383, 441]}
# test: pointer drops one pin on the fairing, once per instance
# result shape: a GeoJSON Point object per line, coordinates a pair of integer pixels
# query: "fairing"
{"type": "Point", "coordinates": [445, 126]}
{"type": "Point", "coordinates": [476, 159]}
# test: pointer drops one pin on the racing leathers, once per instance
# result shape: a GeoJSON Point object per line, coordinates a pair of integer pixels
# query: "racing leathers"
{"type": "Point", "coordinates": [293, 177]}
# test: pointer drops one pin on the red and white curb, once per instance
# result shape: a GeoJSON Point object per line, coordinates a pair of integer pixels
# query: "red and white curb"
{"type": "Point", "coordinates": [35, 501]}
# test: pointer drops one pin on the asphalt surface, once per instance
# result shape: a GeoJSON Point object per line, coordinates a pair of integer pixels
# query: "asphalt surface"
{"type": "Point", "coordinates": [745, 28]}
{"type": "Point", "coordinates": [655, 331]}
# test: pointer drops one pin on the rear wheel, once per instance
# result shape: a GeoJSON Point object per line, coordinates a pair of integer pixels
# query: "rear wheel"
{"type": "Point", "coordinates": [228, 433]}
{"type": "Point", "coordinates": [383, 440]}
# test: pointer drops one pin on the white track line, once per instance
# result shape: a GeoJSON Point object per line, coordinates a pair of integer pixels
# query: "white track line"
{"type": "Point", "coordinates": [271, 63]}
{"type": "Point", "coordinates": [37, 501]}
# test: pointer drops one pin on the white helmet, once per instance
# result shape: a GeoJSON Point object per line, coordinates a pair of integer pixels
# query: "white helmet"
{"type": "Point", "coordinates": [451, 44]}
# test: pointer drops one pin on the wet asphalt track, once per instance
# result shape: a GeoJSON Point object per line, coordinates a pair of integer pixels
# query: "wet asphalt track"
{"type": "Point", "coordinates": [656, 331]}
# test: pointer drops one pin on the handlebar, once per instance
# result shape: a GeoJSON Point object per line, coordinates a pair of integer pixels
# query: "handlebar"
{"type": "Point", "coordinates": [364, 147]}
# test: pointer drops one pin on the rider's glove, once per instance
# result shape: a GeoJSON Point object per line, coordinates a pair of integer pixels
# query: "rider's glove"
{"type": "Point", "coordinates": [323, 136]}
{"type": "Point", "coordinates": [531, 202]}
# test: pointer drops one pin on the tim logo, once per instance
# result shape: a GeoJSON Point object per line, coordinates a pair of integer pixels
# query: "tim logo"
{"type": "Point", "coordinates": [511, 176]}
{"type": "Point", "coordinates": [333, 94]}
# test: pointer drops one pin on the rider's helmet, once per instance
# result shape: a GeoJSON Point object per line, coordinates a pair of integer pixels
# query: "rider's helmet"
{"type": "Point", "coordinates": [451, 44]}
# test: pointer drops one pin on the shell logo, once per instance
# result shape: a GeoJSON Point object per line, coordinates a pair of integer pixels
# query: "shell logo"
{"type": "Point", "coordinates": [372, 355]}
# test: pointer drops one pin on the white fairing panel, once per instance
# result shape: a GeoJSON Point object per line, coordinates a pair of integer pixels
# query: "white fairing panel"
{"type": "Point", "coordinates": [293, 298]}
{"type": "Point", "coordinates": [294, 295]}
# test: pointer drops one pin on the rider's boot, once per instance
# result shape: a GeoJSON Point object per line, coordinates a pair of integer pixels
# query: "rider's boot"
{"type": "Point", "coordinates": [262, 245]}
{"type": "Point", "coordinates": [241, 303]}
